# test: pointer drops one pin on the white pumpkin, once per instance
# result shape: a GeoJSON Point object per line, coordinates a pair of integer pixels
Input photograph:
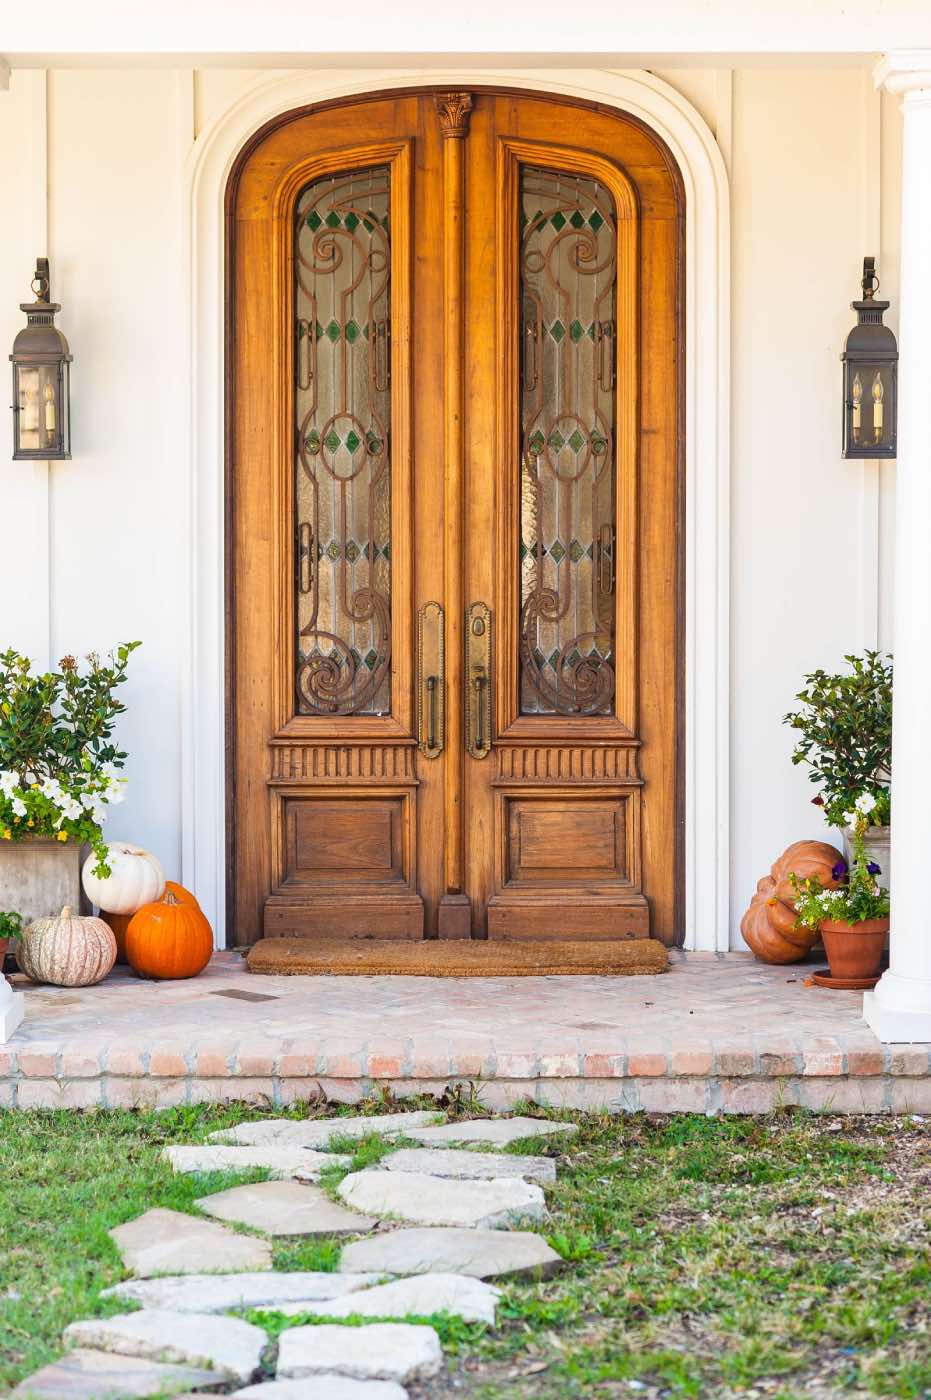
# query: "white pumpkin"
{"type": "Point", "coordinates": [135, 878]}
{"type": "Point", "coordinates": [67, 950]}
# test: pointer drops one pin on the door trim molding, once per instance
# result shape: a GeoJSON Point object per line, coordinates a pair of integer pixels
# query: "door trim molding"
{"type": "Point", "coordinates": [692, 145]}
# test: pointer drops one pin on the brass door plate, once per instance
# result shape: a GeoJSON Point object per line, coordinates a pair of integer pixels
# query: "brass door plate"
{"type": "Point", "coordinates": [478, 679]}
{"type": "Point", "coordinates": [431, 680]}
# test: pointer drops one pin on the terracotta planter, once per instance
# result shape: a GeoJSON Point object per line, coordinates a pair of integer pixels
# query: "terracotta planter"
{"type": "Point", "coordinates": [854, 950]}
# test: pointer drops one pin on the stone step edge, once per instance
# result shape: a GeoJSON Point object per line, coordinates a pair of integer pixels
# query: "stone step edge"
{"type": "Point", "coordinates": [839, 1091]}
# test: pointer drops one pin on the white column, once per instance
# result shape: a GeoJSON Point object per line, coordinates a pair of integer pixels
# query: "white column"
{"type": "Point", "coordinates": [899, 1009]}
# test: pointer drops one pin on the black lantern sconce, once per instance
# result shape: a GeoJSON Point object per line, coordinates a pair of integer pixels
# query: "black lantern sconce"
{"type": "Point", "coordinates": [870, 362]}
{"type": "Point", "coordinates": [41, 360]}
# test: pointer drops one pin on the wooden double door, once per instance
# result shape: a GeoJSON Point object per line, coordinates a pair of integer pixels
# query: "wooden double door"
{"type": "Point", "coordinates": [454, 522]}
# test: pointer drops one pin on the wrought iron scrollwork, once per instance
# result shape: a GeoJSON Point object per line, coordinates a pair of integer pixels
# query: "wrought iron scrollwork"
{"type": "Point", "coordinates": [568, 274]}
{"type": "Point", "coordinates": [343, 479]}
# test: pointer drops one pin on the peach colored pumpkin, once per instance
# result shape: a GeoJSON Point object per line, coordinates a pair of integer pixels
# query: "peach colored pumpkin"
{"type": "Point", "coordinates": [67, 950]}
{"type": "Point", "coordinates": [769, 925]}
{"type": "Point", "coordinates": [167, 939]}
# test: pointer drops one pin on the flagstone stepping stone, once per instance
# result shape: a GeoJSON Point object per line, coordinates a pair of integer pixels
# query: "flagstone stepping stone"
{"type": "Point", "coordinates": [214, 1293]}
{"type": "Point", "coordinates": [285, 1208]}
{"type": "Point", "coordinates": [97, 1375]}
{"type": "Point", "coordinates": [422, 1199]}
{"type": "Point", "coordinates": [281, 1162]}
{"type": "Point", "coordinates": [328, 1387]}
{"type": "Point", "coordinates": [171, 1242]}
{"type": "Point", "coordinates": [223, 1344]}
{"type": "Point", "coordinates": [465, 1165]}
{"type": "Point", "coordinates": [479, 1253]}
{"type": "Point", "coordinates": [499, 1131]}
{"type": "Point", "coordinates": [317, 1132]}
{"type": "Point", "coordinates": [380, 1351]}
{"type": "Point", "coordinates": [418, 1296]}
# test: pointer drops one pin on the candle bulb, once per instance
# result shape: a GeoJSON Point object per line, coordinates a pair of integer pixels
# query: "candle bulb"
{"type": "Point", "coordinates": [857, 396]}
{"type": "Point", "coordinates": [877, 407]}
{"type": "Point", "coordinates": [49, 409]}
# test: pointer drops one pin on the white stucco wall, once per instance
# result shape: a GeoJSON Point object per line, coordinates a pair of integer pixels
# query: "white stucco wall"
{"type": "Point", "coordinates": [93, 548]}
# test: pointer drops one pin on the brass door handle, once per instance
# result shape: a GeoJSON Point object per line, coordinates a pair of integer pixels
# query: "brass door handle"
{"type": "Point", "coordinates": [478, 677]}
{"type": "Point", "coordinates": [431, 680]}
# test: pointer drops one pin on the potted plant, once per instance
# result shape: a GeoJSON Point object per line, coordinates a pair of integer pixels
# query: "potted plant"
{"type": "Point", "coordinates": [10, 927]}
{"type": "Point", "coordinates": [59, 773]}
{"type": "Point", "coordinates": [853, 918]}
{"type": "Point", "coordinates": [845, 728]}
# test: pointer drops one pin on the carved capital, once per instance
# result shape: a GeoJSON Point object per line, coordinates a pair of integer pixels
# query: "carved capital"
{"type": "Point", "coordinates": [453, 109]}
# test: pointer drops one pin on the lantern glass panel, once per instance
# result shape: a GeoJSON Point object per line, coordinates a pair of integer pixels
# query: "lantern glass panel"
{"type": "Point", "coordinates": [39, 401]}
{"type": "Point", "coordinates": [871, 392]}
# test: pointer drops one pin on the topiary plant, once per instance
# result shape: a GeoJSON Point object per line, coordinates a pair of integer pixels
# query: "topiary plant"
{"type": "Point", "coordinates": [845, 729]}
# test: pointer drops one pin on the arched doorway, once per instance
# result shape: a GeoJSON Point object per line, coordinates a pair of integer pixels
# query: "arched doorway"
{"type": "Point", "coordinates": [455, 507]}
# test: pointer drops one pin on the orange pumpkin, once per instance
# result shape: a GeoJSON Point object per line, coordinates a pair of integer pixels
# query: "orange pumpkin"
{"type": "Point", "coordinates": [182, 895]}
{"type": "Point", "coordinates": [119, 923]}
{"type": "Point", "coordinates": [168, 940]}
{"type": "Point", "coordinates": [769, 925]}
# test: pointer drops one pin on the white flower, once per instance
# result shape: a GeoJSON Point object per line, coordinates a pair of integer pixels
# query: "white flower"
{"type": "Point", "coordinates": [114, 792]}
{"type": "Point", "coordinates": [19, 807]}
{"type": "Point", "coordinates": [865, 803]}
{"type": "Point", "coordinates": [8, 781]}
{"type": "Point", "coordinates": [850, 819]}
{"type": "Point", "coordinates": [51, 788]}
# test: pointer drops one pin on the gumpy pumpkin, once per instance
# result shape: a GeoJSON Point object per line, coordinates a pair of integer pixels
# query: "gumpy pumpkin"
{"type": "Point", "coordinates": [168, 940]}
{"type": "Point", "coordinates": [66, 950]}
{"type": "Point", "coordinates": [769, 925]}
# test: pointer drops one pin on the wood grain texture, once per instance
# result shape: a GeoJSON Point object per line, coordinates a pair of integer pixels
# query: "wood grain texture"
{"type": "Point", "coordinates": [446, 822]}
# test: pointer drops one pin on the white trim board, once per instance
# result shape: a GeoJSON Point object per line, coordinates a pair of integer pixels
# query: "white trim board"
{"type": "Point", "coordinates": [707, 455]}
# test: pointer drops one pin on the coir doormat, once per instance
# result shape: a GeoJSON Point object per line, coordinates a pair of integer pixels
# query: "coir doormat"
{"type": "Point", "coordinates": [381, 957]}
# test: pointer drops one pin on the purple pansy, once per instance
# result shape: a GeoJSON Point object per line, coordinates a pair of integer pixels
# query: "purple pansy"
{"type": "Point", "coordinates": [873, 868]}
{"type": "Point", "coordinates": [839, 870]}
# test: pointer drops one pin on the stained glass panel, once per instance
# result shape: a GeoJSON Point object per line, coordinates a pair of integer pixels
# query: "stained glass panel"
{"type": "Point", "coordinates": [568, 295]}
{"type": "Point", "coordinates": [342, 473]}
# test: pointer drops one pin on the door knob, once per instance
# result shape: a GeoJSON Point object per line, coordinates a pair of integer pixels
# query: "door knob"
{"type": "Point", "coordinates": [478, 680]}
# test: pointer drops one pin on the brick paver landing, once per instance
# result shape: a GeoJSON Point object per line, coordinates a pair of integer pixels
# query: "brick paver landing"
{"type": "Point", "coordinates": [718, 1032]}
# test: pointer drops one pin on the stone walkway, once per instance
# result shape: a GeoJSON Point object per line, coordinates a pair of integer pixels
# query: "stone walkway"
{"type": "Point", "coordinates": [717, 1033]}
{"type": "Point", "coordinates": [193, 1277]}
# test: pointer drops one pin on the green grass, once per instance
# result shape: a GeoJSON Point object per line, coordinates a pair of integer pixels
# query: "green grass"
{"type": "Point", "coordinates": [786, 1255]}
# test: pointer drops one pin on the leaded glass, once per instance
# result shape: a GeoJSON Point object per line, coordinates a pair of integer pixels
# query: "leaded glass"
{"type": "Point", "coordinates": [342, 474]}
{"type": "Point", "coordinates": [568, 295]}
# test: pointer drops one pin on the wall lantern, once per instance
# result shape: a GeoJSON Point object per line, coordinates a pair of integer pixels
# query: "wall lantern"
{"type": "Point", "coordinates": [870, 361]}
{"type": "Point", "coordinates": [41, 360]}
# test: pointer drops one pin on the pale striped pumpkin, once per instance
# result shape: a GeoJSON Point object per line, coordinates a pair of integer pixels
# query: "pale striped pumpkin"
{"type": "Point", "coordinates": [66, 950]}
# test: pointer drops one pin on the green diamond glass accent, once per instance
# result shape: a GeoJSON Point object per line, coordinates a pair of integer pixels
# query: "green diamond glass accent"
{"type": "Point", "coordinates": [342, 481]}
{"type": "Point", "coordinates": [567, 293]}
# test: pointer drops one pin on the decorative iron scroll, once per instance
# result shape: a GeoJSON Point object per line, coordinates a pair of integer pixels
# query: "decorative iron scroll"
{"type": "Point", "coordinates": [342, 395]}
{"type": "Point", "coordinates": [568, 295]}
